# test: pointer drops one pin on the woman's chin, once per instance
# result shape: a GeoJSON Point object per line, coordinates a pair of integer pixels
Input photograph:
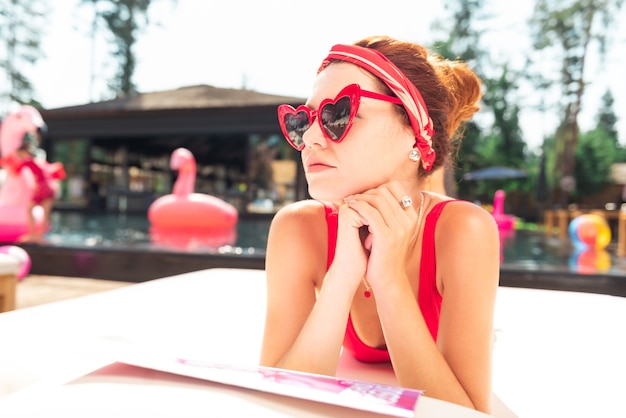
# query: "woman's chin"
{"type": "Point", "coordinates": [325, 195]}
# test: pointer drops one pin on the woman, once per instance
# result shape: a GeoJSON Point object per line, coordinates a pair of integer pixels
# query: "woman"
{"type": "Point", "coordinates": [375, 263]}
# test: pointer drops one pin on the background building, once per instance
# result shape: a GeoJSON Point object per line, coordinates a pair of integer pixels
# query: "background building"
{"type": "Point", "coordinates": [116, 153]}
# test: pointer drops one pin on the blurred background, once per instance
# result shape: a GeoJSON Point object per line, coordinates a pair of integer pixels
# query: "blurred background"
{"type": "Point", "coordinates": [550, 132]}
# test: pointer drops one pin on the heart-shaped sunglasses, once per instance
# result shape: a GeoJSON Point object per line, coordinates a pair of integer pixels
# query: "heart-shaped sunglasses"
{"type": "Point", "coordinates": [335, 116]}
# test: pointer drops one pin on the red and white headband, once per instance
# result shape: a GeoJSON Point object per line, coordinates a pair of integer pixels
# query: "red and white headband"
{"type": "Point", "coordinates": [379, 65]}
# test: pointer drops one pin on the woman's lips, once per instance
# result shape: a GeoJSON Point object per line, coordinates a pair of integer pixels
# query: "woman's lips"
{"type": "Point", "coordinates": [314, 165]}
{"type": "Point", "coordinates": [317, 167]}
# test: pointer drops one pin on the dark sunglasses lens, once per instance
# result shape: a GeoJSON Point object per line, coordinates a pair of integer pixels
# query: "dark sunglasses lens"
{"type": "Point", "coordinates": [295, 125]}
{"type": "Point", "coordinates": [336, 118]}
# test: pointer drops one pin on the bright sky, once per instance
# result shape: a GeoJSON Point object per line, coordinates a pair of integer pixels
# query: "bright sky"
{"type": "Point", "coordinates": [275, 46]}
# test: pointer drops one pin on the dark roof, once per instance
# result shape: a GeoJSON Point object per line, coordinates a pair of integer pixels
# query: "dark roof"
{"type": "Point", "coordinates": [191, 97]}
{"type": "Point", "coordinates": [183, 111]}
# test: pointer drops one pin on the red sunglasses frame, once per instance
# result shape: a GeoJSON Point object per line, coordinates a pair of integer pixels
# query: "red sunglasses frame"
{"type": "Point", "coordinates": [353, 91]}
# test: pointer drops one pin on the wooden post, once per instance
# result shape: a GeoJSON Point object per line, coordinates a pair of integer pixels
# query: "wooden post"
{"type": "Point", "coordinates": [563, 222]}
{"type": "Point", "coordinates": [548, 222]}
{"type": "Point", "coordinates": [8, 282]}
{"type": "Point", "coordinates": [8, 286]}
{"type": "Point", "coordinates": [621, 233]}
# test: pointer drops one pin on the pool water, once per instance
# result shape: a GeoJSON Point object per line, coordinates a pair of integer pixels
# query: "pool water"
{"type": "Point", "coordinates": [82, 229]}
{"type": "Point", "coordinates": [528, 249]}
{"type": "Point", "coordinates": [533, 250]}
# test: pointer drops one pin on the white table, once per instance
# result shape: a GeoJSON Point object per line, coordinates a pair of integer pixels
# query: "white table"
{"type": "Point", "coordinates": [560, 354]}
{"type": "Point", "coordinates": [58, 359]}
{"type": "Point", "coordinates": [218, 314]}
{"type": "Point", "coordinates": [123, 391]}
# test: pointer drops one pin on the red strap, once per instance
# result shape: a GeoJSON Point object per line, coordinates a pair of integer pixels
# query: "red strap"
{"type": "Point", "coordinates": [428, 298]}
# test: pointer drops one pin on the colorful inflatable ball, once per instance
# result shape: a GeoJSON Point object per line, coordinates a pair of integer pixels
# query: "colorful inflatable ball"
{"type": "Point", "coordinates": [589, 231]}
{"type": "Point", "coordinates": [590, 261]}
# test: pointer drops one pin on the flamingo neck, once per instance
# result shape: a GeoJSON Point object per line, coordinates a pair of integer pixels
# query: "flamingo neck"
{"type": "Point", "coordinates": [185, 183]}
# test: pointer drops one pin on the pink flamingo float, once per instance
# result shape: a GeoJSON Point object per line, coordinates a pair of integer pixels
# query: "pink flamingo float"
{"type": "Point", "coordinates": [505, 222]}
{"type": "Point", "coordinates": [17, 188]}
{"type": "Point", "coordinates": [187, 219]}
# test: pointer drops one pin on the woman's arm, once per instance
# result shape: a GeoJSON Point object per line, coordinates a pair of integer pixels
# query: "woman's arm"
{"type": "Point", "coordinates": [303, 332]}
{"type": "Point", "coordinates": [458, 367]}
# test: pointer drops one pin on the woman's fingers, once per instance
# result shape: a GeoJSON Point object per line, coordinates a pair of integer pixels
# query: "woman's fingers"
{"type": "Point", "coordinates": [381, 207]}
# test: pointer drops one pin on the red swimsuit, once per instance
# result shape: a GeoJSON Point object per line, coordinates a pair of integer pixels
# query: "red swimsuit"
{"type": "Point", "coordinates": [43, 190]}
{"type": "Point", "coordinates": [429, 299]}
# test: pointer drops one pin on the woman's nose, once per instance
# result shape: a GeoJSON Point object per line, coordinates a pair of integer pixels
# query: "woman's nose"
{"type": "Point", "coordinates": [314, 136]}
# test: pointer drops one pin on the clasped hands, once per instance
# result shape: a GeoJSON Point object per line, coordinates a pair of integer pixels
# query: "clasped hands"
{"type": "Point", "coordinates": [375, 236]}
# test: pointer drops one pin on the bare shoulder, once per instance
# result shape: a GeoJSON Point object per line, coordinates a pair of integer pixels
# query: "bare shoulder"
{"type": "Point", "coordinates": [467, 234]}
{"type": "Point", "coordinates": [302, 215]}
{"type": "Point", "coordinates": [298, 237]}
{"type": "Point", "coordinates": [463, 217]}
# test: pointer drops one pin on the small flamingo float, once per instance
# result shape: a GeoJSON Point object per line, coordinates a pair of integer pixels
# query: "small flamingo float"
{"type": "Point", "coordinates": [186, 219]}
{"type": "Point", "coordinates": [505, 222]}
{"type": "Point", "coordinates": [17, 188]}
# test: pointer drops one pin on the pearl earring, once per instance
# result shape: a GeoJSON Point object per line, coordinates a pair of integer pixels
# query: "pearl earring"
{"type": "Point", "coordinates": [414, 155]}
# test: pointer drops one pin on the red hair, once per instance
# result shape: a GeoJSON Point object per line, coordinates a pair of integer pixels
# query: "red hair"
{"type": "Point", "coordinates": [450, 89]}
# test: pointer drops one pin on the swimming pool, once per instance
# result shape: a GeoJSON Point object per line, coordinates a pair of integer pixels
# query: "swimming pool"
{"type": "Point", "coordinates": [120, 247]}
{"type": "Point", "coordinates": [106, 230]}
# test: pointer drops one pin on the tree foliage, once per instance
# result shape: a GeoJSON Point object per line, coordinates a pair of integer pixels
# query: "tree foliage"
{"type": "Point", "coordinates": [506, 145]}
{"type": "Point", "coordinates": [607, 119]}
{"type": "Point", "coordinates": [595, 154]}
{"type": "Point", "coordinates": [124, 20]}
{"type": "Point", "coordinates": [597, 151]}
{"type": "Point", "coordinates": [566, 31]}
{"type": "Point", "coordinates": [21, 25]}
{"type": "Point", "coordinates": [502, 142]}
{"type": "Point", "coordinates": [563, 34]}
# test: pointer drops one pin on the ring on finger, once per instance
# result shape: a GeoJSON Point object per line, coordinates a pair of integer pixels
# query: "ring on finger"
{"type": "Point", "coordinates": [406, 202]}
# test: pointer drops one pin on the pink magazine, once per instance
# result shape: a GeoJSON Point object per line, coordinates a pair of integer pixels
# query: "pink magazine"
{"type": "Point", "coordinates": [361, 395]}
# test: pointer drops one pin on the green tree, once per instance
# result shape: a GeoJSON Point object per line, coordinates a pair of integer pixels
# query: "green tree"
{"type": "Point", "coordinates": [566, 31]}
{"type": "Point", "coordinates": [508, 147]}
{"type": "Point", "coordinates": [124, 20]}
{"type": "Point", "coordinates": [607, 119]}
{"type": "Point", "coordinates": [20, 35]}
{"type": "Point", "coordinates": [597, 150]}
{"type": "Point", "coordinates": [504, 145]}
{"type": "Point", "coordinates": [461, 42]}
{"type": "Point", "coordinates": [595, 153]}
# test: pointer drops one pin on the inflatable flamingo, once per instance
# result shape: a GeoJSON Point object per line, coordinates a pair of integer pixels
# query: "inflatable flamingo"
{"type": "Point", "coordinates": [185, 218]}
{"type": "Point", "coordinates": [505, 222]}
{"type": "Point", "coordinates": [17, 188]}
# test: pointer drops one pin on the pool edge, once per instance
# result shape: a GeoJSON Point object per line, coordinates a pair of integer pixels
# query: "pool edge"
{"type": "Point", "coordinates": [140, 265]}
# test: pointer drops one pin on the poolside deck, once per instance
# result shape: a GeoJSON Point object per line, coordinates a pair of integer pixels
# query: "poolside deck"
{"type": "Point", "coordinates": [35, 290]}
